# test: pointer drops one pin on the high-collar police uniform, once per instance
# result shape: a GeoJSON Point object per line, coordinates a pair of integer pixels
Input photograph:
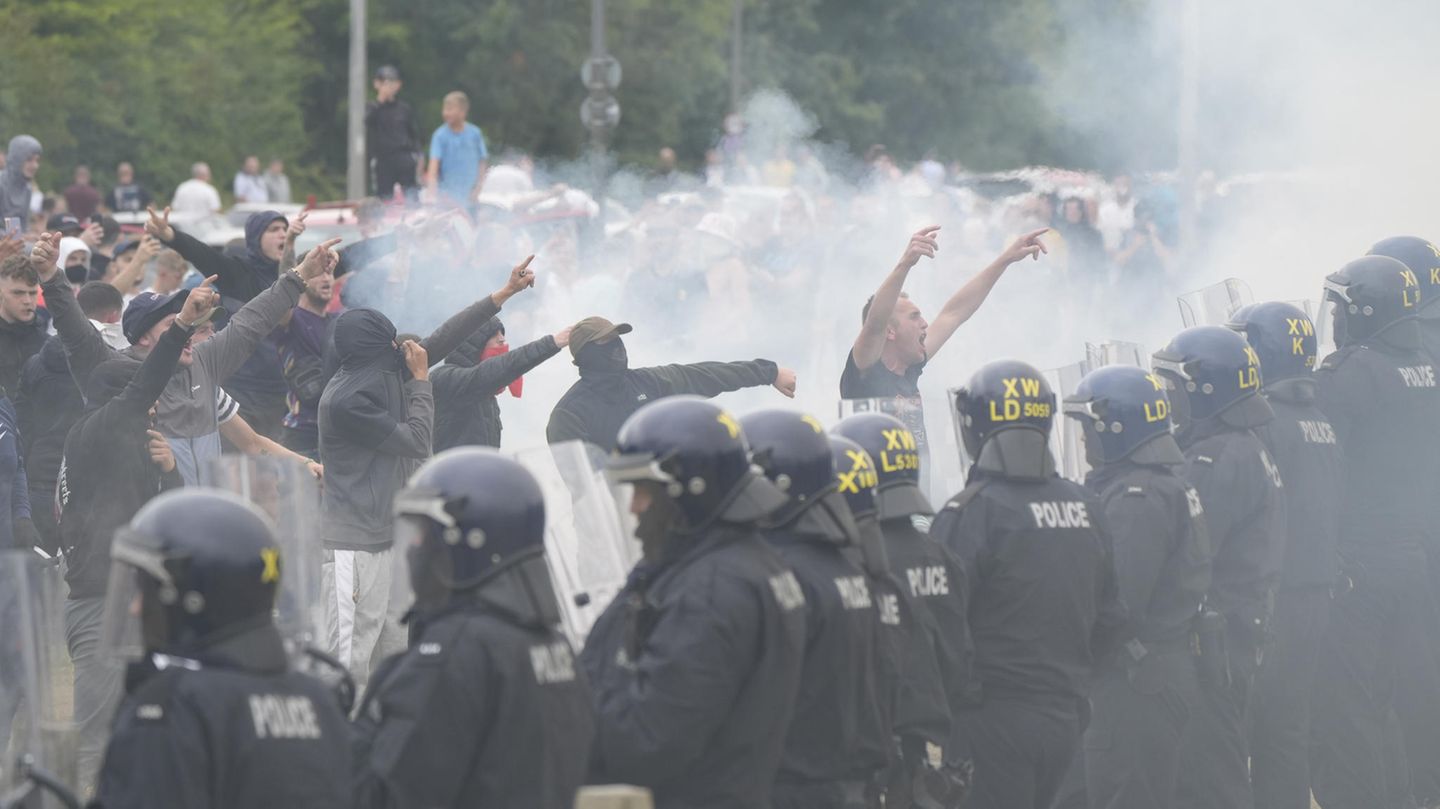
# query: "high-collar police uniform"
{"type": "Point", "coordinates": [839, 741]}
{"type": "Point", "coordinates": [1143, 697]}
{"type": "Point", "coordinates": [695, 665]}
{"type": "Point", "coordinates": [215, 716]}
{"type": "Point", "coordinates": [1214, 385]}
{"type": "Point", "coordinates": [487, 706]}
{"type": "Point", "coordinates": [1043, 604]}
{"type": "Point", "coordinates": [1379, 392]}
{"type": "Point", "coordinates": [1303, 444]}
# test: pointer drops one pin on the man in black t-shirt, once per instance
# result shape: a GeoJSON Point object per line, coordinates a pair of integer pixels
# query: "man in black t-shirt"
{"type": "Point", "coordinates": [896, 341]}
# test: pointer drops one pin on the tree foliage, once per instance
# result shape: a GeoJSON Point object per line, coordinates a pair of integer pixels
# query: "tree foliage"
{"type": "Point", "coordinates": [164, 83]}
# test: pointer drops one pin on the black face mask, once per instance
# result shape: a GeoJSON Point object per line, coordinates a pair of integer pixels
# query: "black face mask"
{"type": "Point", "coordinates": [425, 561]}
{"type": "Point", "coordinates": [603, 358]}
{"type": "Point", "coordinates": [655, 526]}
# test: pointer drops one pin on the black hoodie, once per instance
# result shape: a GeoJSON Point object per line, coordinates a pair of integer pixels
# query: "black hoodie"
{"type": "Point", "coordinates": [376, 422]}
{"type": "Point", "coordinates": [107, 474]}
{"type": "Point", "coordinates": [18, 343]}
{"type": "Point", "coordinates": [466, 409]}
{"type": "Point", "coordinates": [48, 404]}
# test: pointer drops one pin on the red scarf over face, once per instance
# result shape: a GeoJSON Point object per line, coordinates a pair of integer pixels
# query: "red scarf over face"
{"type": "Point", "coordinates": [515, 387]}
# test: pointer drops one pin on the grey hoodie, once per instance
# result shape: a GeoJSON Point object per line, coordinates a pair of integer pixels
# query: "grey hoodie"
{"type": "Point", "coordinates": [14, 187]}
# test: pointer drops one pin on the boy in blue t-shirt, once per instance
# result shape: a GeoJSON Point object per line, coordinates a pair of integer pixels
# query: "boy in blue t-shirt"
{"type": "Point", "coordinates": [457, 154]}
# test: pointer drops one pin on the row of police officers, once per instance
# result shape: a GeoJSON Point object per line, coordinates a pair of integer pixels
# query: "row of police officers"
{"type": "Point", "coordinates": [1234, 609]}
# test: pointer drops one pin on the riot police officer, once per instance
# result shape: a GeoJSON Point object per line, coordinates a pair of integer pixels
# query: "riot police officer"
{"type": "Point", "coordinates": [839, 740]}
{"type": "Point", "coordinates": [1213, 377]}
{"type": "Point", "coordinates": [921, 721]}
{"type": "Point", "coordinates": [1142, 698]}
{"type": "Point", "coordinates": [696, 663]}
{"type": "Point", "coordinates": [1304, 447]}
{"type": "Point", "coordinates": [1421, 717]}
{"type": "Point", "coordinates": [1379, 392]}
{"type": "Point", "coordinates": [929, 574]}
{"type": "Point", "coordinates": [1043, 604]}
{"type": "Point", "coordinates": [214, 715]}
{"type": "Point", "coordinates": [487, 706]}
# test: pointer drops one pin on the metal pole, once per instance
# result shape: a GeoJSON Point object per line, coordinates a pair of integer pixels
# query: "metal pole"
{"type": "Point", "coordinates": [737, 32]}
{"type": "Point", "coordinates": [355, 130]}
{"type": "Point", "coordinates": [597, 134]}
{"type": "Point", "coordinates": [1188, 119]}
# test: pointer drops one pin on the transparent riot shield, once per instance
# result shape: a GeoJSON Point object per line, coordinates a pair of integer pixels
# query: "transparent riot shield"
{"type": "Point", "coordinates": [589, 537]}
{"type": "Point", "coordinates": [37, 738]}
{"type": "Point", "coordinates": [1065, 434]}
{"type": "Point", "coordinates": [1116, 352]}
{"type": "Point", "coordinates": [290, 496]}
{"type": "Point", "coordinates": [1213, 305]}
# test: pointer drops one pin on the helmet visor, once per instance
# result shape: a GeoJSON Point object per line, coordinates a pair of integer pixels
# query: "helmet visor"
{"type": "Point", "coordinates": [139, 585]}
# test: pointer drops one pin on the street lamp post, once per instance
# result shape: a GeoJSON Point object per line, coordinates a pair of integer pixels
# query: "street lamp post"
{"type": "Point", "coordinates": [600, 111]}
{"type": "Point", "coordinates": [355, 128]}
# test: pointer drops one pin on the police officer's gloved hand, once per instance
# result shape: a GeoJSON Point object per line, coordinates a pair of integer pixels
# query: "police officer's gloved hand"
{"type": "Point", "coordinates": [26, 534]}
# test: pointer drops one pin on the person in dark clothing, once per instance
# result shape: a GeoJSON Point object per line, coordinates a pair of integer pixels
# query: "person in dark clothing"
{"type": "Point", "coordinates": [1307, 452]}
{"type": "Point", "coordinates": [468, 384]}
{"type": "Point", "coordinates": [1212, 377]}
{"type": "Point", "coordinates": [1379, 392]}
{"type": "Point", "coordinates": [839, 740]}
{"type": "Point", "coordinates": [391, 137]}
{"type": "Point", "coordinates": [1142, 699]}
{"type": "Point", "coordinates": [259, 385]}
{"type": "Point", "coordinates": [376, 420]}
{"type": "Point", "coordinates": [487, 706]}
{"type": "Point", "coordinates": [301, 346]}
{"type": "Point", "coordinates": [929, 574]}
{"type": "Point", "coordinates": [114, 463]}
{"type": "Point", "coordinates": [214, 716]}
{"type": "Point", "coordinates": [609, 390]}
{"type": "Point", "coordinates": [1043, 604]}
{"type": "Point", "coordinates": [22, 332]}
{"type": "Point", "coordinates": [17, 530]}
{"type": "Point", "coordinates": [696, 663]}
{"type": "Point", "coordinates": [920, 720]}
{"type": "Point", "coordinates": [49, 404]}
{"type": "Point", "coordinates": [127, 195]}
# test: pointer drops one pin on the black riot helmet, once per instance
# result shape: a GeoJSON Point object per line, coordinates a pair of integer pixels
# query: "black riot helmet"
{"type": "Point", "coordinates": [1211, 372]}
{"type": "Point", "coordinates": [1283, 337]}
{"type": "Point", "coordinates": [1006, 411]}
{"type": "Point", "coordinates": [856, 479]}
{"type": "Point", "coordinates": [1125, 414]}
{"type": "Point", "coordinates": [467, 516]}
{"type": "Point", "coordinates": [791, 449]}
{"type": "Point", "coordinates": [1423, 259]}
{"type": "Point", "coordinates": [207, 566]}
{"type": "Point", "coordinates": [1371, 296]}
{"type": "Point", "coordinates": [892, 448]}
{"type": "Point", "coordinates": [695, 452]}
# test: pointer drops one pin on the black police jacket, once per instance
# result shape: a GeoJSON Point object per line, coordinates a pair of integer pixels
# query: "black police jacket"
{"type": "Point", "coordinates": [596, 406]}
{"type": "Point", "coordinates": [1307, 449]}
{"type": "Point", "coordinates": [934, 582]}
{"type": "Point", "coordinates": [841, 728]}
{"type": "Point", "coordinates": [1043, 606]}
{"type": "Point", "coordinates": [235, 728]}
{"type": "Point", "coordinates": [695, 669]}
{"type": "Point", "coordinates": [481, 710]}
{"type": "Point", "coordinates": [1383, 401]}
{"type": "Point", "coordinates": [1241, 491]}
{"type": "Point", "coordinates": [1162, 549]}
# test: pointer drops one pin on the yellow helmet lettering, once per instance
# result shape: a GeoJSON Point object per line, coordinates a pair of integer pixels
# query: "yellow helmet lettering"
{"type": "Point", "coordinates": [731, 426]}
{"type": "Point", "coordinates": [271, 558]}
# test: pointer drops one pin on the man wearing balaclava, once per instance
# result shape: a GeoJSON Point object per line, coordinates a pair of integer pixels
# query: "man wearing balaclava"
{"type": "Point", "coordinates": [609, 390]}
{"type": "Point", "coordinates": [468, 385]}
{"type": "Point", "coordinates": [377, 417]}
{"type": "Point", "coordinates": [22, 160]}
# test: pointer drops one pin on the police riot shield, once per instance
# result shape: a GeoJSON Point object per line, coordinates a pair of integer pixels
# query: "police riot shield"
{"type": "Point", "coordinates": [589, 537]}
{"type": "Point", "coordinates": [1213, 305]}
{"type": "Point", "coordinates": [290, 496]}
{"type": "Point", "coordinates": [37, 738]}
{"type": "Point", "coordinates": [1065, 435]}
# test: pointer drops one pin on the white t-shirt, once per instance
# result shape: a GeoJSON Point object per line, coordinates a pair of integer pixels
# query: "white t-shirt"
{"type": "Point", "coordinates": [195, 196]}
{"type": "Point", "coordinates": [1113, 220]}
